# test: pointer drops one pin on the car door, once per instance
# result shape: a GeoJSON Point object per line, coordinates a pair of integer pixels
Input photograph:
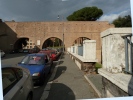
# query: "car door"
{"type": "Point", "coordinates": [12, 90]}
{"type": "Point", "coordinates": [47, 64]}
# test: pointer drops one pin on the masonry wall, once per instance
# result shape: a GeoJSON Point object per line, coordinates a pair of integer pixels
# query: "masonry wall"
{"type": "Point", "coordinates": [44, 30]}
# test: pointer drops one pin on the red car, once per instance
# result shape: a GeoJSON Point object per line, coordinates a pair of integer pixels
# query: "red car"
{"type": "Point", "coordinates": [34, 50]}
{"type": "Point", "coordinates": [50, 53]}
{"type": "Point", "coordinates": [53, 56]}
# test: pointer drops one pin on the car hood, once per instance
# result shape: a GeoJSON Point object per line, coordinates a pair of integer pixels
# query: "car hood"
{"type": "Point", "coordinates": [33, 68]}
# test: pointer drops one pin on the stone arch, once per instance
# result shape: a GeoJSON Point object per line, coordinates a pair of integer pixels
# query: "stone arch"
{"type": "Point", "coordinates": [45, 40]}
{"type": "Point", "coordinates": [89, 36]}
{"type": "Point", "coordinates": [20, 43]}
{"type": "Point", "coordinates": [79, 40]}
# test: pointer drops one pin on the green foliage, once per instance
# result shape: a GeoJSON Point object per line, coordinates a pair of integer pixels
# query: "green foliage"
{"type": "Point", "coordinates": [97, 66]}
{"type": "Point", "coordinates": [86, 14]}
{"type": "Point", "coordinates": [123, 21]}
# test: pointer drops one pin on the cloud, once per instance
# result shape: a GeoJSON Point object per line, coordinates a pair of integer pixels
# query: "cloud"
{"type": "Point", "coordinates": [48, 10]}
{"type": "Point", "coordinates": [112, 17]}
{"type": "Point", "coordinates": [64, 0]}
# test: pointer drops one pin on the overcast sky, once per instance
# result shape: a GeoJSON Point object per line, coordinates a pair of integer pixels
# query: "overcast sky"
{"type": "Point", "coordinates": [48, 10]}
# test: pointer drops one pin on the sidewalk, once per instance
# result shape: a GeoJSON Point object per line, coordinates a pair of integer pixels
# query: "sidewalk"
{"type": "Point", "coordinates": [68, 82]}
{"type": "Point", "coordinates": [96, 82]}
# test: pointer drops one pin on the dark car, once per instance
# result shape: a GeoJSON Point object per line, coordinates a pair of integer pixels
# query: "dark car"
{"type": "Point", "coordinates": [39, 66]}
{"type": "Point", "coordinates": [34, 50]}
{"type": "Point", "coordinates": [14, 51]}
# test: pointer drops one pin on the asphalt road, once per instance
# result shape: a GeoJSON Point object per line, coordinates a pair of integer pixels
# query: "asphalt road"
{"type": "Point", "coordinates": [13, 59]}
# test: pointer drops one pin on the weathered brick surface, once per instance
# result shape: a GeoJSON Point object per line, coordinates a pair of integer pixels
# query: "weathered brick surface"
{"type": "Point", "coordinates": [44, 30]}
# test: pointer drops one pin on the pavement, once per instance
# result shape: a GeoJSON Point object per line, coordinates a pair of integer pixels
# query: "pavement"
{"type": "Point", "coordinates": [68, 82]}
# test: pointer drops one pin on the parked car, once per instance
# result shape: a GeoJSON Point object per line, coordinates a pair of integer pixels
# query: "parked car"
{"type": "Point", "coordinates": [2, 53]}
{"type": "Point", "coordinates": [52, 53]}
{"type": "Point", "coordinates": [14, 51]}
{"type": "Point", "coordinates": [45, 52]}
{"type": "Point", "coordinates": [25, 50]}
{"type": "Point", "coordinates": [34, 50]}
{"type": "Point", "coordinates": [17, 83]}
{"type": "Point", "coordinates": [39, 66]}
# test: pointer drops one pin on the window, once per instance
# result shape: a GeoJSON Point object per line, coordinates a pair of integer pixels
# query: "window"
{"type": "Point", "coordinates": [9, 79]}
{"type": "Point", "coordinates": [46, 59]}
{"type": "Point", "coordinates": [19, 73]}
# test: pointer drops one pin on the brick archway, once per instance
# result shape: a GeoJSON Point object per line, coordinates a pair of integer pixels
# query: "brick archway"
{"type": "Point", "coordinates": [43, 30]}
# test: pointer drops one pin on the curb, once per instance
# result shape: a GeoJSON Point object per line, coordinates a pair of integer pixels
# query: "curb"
{"type": "Point", "coordinates": [95, 89]}
{"type": "Point", "coordinates": [45, 94]}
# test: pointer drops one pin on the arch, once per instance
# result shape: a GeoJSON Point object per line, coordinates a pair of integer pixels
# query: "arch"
{"type": "Point", "coordinates": [52, 42]}
{"type": "Point", "coordinates": [20, 43]}
{"type": "Point", "coordinates": [79, 40]}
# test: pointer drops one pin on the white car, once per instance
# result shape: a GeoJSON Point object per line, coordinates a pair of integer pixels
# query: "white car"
{"type": "Point", "coordinates": [17, 83]}
{"type": "Point", "coordinates": [2, 53]}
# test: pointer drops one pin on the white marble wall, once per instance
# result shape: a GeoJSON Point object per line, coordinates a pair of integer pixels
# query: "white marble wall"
{"type": "Point", "coordinates": [113, 49]}
{"type": "Point", "coordinates": [89, 49]}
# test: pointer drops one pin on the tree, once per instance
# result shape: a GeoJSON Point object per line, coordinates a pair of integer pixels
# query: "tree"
{"type": "Point", "coordinates": [123, 21]}
{"type": "Point", "coordinates": [86, 14]}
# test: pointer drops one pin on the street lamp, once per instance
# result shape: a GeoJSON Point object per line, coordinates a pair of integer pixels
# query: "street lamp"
{"type": "Point", "coordinates": [62, 33]}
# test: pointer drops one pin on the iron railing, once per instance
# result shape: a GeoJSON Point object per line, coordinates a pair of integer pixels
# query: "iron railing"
{"type": "Point", "coordinates": [128, 54]}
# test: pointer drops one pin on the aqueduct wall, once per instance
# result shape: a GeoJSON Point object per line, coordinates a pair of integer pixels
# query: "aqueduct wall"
{"type": "Point", "coordinates": [11, 31]}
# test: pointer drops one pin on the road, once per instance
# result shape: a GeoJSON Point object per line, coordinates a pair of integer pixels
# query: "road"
{"type": "Point", "coordinates": [13, 59]}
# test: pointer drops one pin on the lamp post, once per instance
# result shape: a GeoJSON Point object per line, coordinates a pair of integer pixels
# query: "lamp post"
{"type": "Point", "coordinates": [62, 33]}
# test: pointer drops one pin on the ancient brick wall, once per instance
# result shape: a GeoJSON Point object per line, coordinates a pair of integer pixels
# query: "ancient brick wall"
{"type": "Point", "coordinates": [44, 30]}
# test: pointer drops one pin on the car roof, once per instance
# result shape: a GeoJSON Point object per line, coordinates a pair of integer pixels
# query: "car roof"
{"type": "Point", "coordinates": [7, 66]}
{"type": "Point", "coordinates": [37, 54]}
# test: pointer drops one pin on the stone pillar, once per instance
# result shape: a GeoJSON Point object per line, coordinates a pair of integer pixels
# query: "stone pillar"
{"type": "Point", "coordinates": [115, 82]}
{"type": "Point", "coordinates": [89, 49]}
{"type": "Point", "coordinates": [71, 49]}
{"type": "Point", "coordinates": [113, 49]}
{"type": "Point", "coordinates": [68, 49]}
{"type": "Point", "coordinates": [75, 49]}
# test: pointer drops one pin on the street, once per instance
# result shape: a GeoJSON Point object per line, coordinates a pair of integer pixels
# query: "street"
{"type": "Point", "coordinates": [13, 59]}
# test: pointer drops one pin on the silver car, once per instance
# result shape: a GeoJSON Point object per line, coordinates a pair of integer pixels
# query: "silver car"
{"type": "Point", "coordinates": [17, 83]}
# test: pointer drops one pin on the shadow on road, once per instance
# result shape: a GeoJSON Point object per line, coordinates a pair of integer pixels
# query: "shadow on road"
{"type": "Point", "coordinates": [38, 90]}
{"type": "Point", "coordinates": [8, 56]}
{"type": "Point", "coordinates": [60, 91]}
{"type": "Point", "coordinates": [60, 70]}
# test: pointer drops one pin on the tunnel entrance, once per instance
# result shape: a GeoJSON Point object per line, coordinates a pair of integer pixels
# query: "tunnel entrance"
{"type": "Point", "coordinates": [21, 43]}
{"type": "Point", "coordinates": [52, 42]}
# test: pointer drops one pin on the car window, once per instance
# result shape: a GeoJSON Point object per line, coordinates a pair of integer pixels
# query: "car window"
{"type": "Point", "coordinates": [9, 79]}
{"type": "Point", "coordinates": [33, 60]}
{"type": "Point", "coordinates": [19, 73]}
{"type": "Point", "coordinates": [25, 60]}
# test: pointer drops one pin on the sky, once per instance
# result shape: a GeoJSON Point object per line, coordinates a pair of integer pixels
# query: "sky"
{"type": "Point", "coordinates": [48, 10]}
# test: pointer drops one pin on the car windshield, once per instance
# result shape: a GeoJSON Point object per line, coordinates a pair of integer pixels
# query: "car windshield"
{"type": "Point", "coordinates": [33, 60]}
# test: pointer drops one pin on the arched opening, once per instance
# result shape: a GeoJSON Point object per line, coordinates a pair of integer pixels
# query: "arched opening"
{"type": "Point", "coordinates": [79, 41]}
{"type": "Point", "coordinates": [21, 43]}
{"type": "Point", "coordinates": [52, 42]}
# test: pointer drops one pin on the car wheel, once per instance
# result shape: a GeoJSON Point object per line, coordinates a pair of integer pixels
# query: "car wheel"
{"type": "Point", "coordinates": [29, 97]}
